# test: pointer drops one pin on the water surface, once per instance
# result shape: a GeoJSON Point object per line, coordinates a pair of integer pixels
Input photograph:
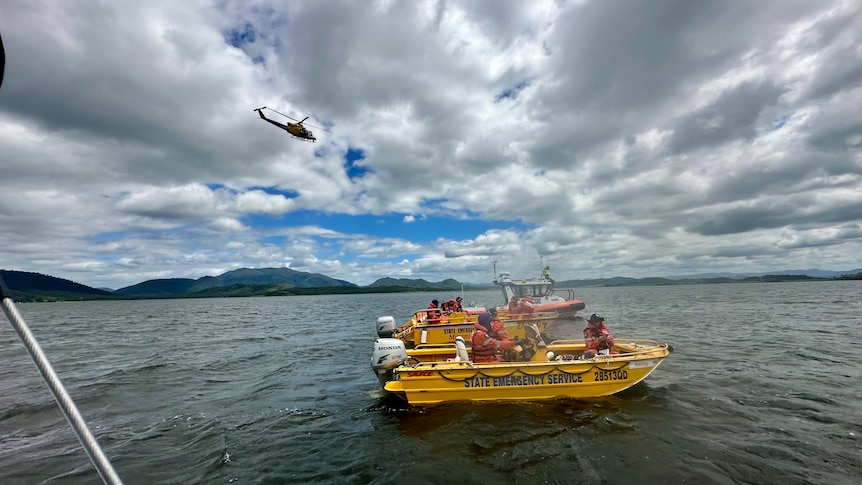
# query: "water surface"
{"type": "Point", "coordinates": [763, 387]}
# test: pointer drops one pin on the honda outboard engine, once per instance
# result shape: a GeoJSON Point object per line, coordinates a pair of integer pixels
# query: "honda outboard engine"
{"type": "Point", "coordinates": [461, 354]}
{"type": "Point", "coordinates": [386, 326]}
{"type": "Point", "coordinates": [388, 354]}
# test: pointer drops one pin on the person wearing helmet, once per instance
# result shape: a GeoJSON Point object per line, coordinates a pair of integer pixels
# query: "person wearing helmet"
{"type": "Point", "coordinates": [459, 307]}
{"type": "Point", "coordinates": [597, 337]}
{"type": "Point", "coordinates": [497, 325]}
{"type": "Point", "coordinates": [449, 306]}
{"type": "Point", "coordinates": [489, 339]}
{"type": "Point", "coordinates": [433, 312]}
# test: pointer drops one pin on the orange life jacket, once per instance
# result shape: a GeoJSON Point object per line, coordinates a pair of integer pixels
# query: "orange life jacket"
{"type": "Point", "coordinates": [591, 337]}
{"type": "Point", "coordinates": [433, 314]}
{"type": "Point", "coordinates": [486, 345]}
{"type": "Point", "coordinates": [449, 306]}
{"type": "Point", "coordinates": [513, 305]}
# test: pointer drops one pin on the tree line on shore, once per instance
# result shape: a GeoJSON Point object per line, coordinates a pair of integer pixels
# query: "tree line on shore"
{"type": "Point", "coordinates": [35, 287]}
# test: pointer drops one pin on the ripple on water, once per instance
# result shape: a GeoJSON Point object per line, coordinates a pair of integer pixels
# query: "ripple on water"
{"type": "Point", "coordinates": [279, 390]}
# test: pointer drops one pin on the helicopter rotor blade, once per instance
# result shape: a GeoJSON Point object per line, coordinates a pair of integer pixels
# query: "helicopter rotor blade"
{"type": "Point", "coordinates": [282, 114]}
{"type": "Point", "coordinates": [298, 121]}
{"type": "Point", "coordinates": [317, 128]}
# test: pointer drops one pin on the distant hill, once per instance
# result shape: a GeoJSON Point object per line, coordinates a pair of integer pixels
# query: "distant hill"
{"type": "Point", "coordinates": [244, 276]}
{"type": "Point", "coordinates": [447, 284]}
{"type": "Point", "coordinates": [164, 287]}
{"type": "Point", "coordinates": [618, 281]}
{"type": "Point", "coordinates": [24, 286]}
{"type": "Point", "coordinates": [814, 273]}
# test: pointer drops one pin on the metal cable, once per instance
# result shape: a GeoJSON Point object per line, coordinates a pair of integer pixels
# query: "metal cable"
{"type": "Point", "coordinates": [91, 446]}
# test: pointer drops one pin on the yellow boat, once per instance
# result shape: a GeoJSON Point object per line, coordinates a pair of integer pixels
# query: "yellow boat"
{"type": "Point", "coordinates": [418, 331]}
{"type": "Point", "coordinates": [445, 373]}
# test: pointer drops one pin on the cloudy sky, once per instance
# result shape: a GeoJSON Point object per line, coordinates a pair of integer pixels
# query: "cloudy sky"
{"type": "Point", "coordinates": [602, 138]}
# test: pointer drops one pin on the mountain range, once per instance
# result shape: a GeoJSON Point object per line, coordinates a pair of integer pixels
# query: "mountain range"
{"type": "Point", "coordinates": [26, 286]}
{"type": "Point", "coordinates": [244, 276]}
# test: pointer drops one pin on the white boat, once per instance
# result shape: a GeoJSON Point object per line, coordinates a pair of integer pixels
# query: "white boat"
{"type": "Point", "coordinates": [543, 294]}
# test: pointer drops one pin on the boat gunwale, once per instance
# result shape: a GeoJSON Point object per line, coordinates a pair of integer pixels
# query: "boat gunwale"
{"type": "Point", "coordinates": [660, 351]}
{"type": "Point", "coordinates": [414, 396]}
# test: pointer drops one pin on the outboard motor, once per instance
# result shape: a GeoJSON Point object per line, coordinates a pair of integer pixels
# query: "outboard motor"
{"type": "Point", "coordinates": [386, 326]}
{"type": "Point", "coordinates": [532, 331]}
{"type": "Point", "coordinates": [461, 354]}
{"type": "Point", "coordinates": [388, 354]}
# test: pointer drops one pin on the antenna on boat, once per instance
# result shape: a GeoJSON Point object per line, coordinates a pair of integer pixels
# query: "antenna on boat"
{"type": "Point", "coordinates": [67, 405]}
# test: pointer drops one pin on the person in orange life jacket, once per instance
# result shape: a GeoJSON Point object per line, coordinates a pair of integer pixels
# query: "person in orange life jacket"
{"type": "Point", "coordinates": [513, 304]}
{"type": "Point", "coordinates": [433, 312]}
{"type": "Point", "coordinates": [597, 337]}
{"type": "Point", "coordinates": [497, 325]}
{"type": "Point", "coordinates": [449, 306]}
{"type": "Point", "coordinates": [526, 305]}
{"type": "Point", "coordinates": [489, 339]}
{"type": "Point", "coordinates": [458, 306]}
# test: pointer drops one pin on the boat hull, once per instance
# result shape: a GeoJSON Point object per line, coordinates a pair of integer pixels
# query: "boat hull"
{"type": "Point", "coordinates": [445, 381]}
{"type": "Point", "coordinates": [566, 309]}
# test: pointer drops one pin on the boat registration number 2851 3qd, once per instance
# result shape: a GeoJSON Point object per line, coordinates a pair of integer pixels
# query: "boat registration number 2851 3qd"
{"type": "Point", "coordinates": [610, 375]}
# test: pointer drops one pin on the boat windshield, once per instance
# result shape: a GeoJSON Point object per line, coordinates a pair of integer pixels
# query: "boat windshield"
{"type": "Point", "coordinates": [534, 291]}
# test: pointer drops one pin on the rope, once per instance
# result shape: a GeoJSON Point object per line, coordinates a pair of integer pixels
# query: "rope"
{"type": "Point", "coordinates": [515, 371]}
{"type": "Point", "coordinates": [67, 405]}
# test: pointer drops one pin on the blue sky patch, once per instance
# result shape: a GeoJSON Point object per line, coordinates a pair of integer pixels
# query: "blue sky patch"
{"type": "Point", "coordinates": [513, 92]}
{"type": "Point", "coordinates": [240, 36]}
{"type": "Point", "coordinates": [353, 170]}
{"type": "Point", "coordinates": [780, 122]}
{"type": "Point", "coordinates": [289, 194]}
{"type": "Point", "coordinates": [421, 230]}
{"type": "Point", "coordinates": [110, 236]}
{"type": "Point", "coordinates": [215, 187]}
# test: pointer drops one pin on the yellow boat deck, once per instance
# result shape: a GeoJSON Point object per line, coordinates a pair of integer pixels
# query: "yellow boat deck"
{"type": "Point", "coordinates": [418, 331]}
{"type": "Point", "coordinates": [441, 379]}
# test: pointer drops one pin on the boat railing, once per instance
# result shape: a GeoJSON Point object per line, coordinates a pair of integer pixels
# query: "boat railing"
{"type": "Point", "coordinates": [446, 346]}
{"type": "Point", "coordinates": [97, 457]}
{"type": "Point", "coordinates": [630, 346]}
{"type": "Point", "coordinates": [505, 316]}
{"type": "Point", "coordinates": [638, 342]}
{"type": "Point", "coordinates": [420, 318]}
{"type": "Point", "coordinates": [568, 292]}
{"type": "Point", "coordinates": [633, 348]}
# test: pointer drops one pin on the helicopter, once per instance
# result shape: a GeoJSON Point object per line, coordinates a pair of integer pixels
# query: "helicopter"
{"type": "Point", "coordinates": [297, 130]}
